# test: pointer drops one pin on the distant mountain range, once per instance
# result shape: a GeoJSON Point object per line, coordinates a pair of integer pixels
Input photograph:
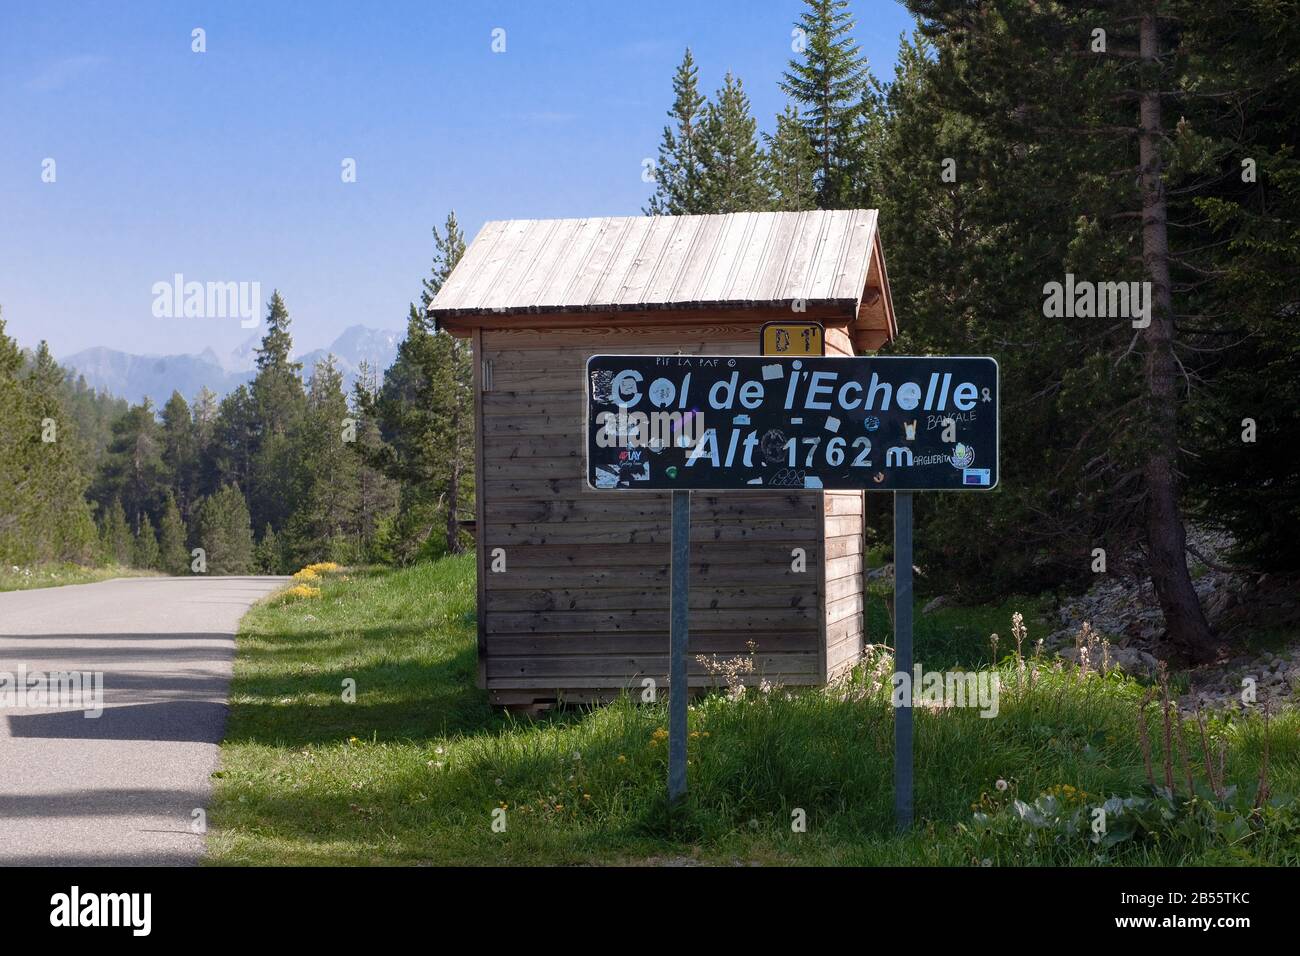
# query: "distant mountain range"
{"type": "Point", "coordinates": [134, 376]}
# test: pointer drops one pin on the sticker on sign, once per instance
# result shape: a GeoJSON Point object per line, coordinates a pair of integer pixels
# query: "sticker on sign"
{"type": "Point", "coordinates": [897, 423]}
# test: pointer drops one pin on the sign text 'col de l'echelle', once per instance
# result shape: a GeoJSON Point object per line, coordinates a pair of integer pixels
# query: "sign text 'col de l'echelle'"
{"type": "Point", "coordinates": [676, 422]}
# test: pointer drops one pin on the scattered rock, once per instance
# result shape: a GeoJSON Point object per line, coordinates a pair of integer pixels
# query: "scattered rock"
{"type": "Point", "coordinates": [933, 605]}
{"type": "Point", "coordinates": [1129, 615]}
{"type": "Point", "coordinates": [1136, 662]}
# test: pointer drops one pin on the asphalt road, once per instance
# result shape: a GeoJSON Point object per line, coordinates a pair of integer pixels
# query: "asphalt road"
{"type": "Point", "coordinates": [120, 788]}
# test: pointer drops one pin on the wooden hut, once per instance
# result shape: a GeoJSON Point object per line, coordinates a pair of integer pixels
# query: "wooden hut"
{"type": "Point", "coordinates": [577, 606]}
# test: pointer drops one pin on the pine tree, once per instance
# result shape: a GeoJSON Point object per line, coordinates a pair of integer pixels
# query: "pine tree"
{"type": "Point", "coordinates": [115, 535]}
{"type": "Point", "coordinates": [452, 381]}
{"type": "Point", "coordinates": [145, 553]}
{"type": "Point", "coordinates": [424, 413]}
{"type": "Point", "coordinates": [133, 472]}
{"type": "Point", "coordinates": [940, 220]}
{"type": "Point", "coordinates": [278, 405]}
{"type": "Point", "coordinates": [978, 213]}
{"type": "Point", "coordinates": [204, 421]}
{"type": "Point", "coordinates": [60, 525]}
{"type": "Point", "coordinates": [448, 247]}
{"type": "Point", "coordinates": [376, 492]}
{"type": "Point", "coordinates": [1075, 142]}
{"type": "Point", "coordinates": [951, 260]}
{"type": "Point", "coordinates": [268, 555]}
{"type": "Point", "coordinates": [829, 83]}
{"type": "Point", "coordinates": [13, 483]}
{"type": "Point", "coordinates": [679, 173]}
{"type": "Point", "coordinates": [329, 498]}
{"type": "Point", "coordinates": [790, 165]}
{"type": "Point", "coordinates": [277, 389]}
{"type": "Point", "coordinates": [1234, 160]}
{"type": "Point", "coordinates": [173, 556]}
{"type": "Point", "coordinates": [239, 534]}
{"type": "Point", "coordinates": [406, 444]}
{"type": "Point", "coordinates": [731, 179]}
{"type": "Point", "coordinates": [273, 355]}
{"type": "Point", "coordinates": [92, 413]}
{"type": "Point", "coordinates": [228, 457]}
{"type": "Point", "coordinates": [223, 532]}
{"type": "Point", "coordinates": [180, 451]}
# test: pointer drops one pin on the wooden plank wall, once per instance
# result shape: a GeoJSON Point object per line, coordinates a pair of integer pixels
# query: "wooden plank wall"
{"type": "Point", "coordinates": [845, 516]}
{"type": "Point", "coordinates": [583, 603]}
{"type": "Point", "coordinates": [844, 568]}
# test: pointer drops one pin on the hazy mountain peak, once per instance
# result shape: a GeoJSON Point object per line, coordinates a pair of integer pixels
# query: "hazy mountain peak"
{"type": "Point", "coordinates": [132, 376]}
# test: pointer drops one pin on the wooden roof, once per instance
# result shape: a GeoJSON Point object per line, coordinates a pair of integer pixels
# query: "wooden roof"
{"type": "Point", "coordinates": [638, 262]}
{"type": "Point", "coordinates": [823, 259]}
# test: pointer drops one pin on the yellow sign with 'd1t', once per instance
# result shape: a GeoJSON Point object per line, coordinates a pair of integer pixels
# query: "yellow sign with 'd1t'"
{"type": "Point", "coordinates": [792, 339]}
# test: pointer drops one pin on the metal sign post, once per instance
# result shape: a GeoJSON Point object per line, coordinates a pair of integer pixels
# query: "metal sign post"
{"type": "Point", "coordinates": [903, 657]}
{"type": "Point", "coordinates": [792, 420]}
{"type": "Point", "coordinates": [679, 638]}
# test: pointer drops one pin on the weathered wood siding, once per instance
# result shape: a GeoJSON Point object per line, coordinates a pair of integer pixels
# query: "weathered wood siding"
{"type": "Point", "coordinates": [583, 602]}
{"type": "Point", "coordinates": [843, 579]}
{"type": "Point", "coordinates": [845, 517]}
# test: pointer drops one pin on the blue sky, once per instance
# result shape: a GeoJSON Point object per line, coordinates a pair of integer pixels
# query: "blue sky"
{"type": "Point", "coordinates": [225, 165]}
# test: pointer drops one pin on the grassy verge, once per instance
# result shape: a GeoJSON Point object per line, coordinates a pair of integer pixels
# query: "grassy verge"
{"type": "Point", "coordinates": [953, 636]}
{"type": "Point", "coordinates": [56, 575]}
{"type": "Point", "coordinates": [413, 771]}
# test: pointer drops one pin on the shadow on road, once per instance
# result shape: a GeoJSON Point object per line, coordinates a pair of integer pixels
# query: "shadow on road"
{"type": "Point", "coordinates": [196, 721]}
{"type": "Point", "coordinates": [106, 802]}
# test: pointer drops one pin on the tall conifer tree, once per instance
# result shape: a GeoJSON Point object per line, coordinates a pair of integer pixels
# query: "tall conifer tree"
{"type": "Point", "coordinates": [829, 82]}
{"type": "Point", "coordinates": [116, 541]}
{"type": "Point", "coordinates": [173, 556]}
{"type": "Point", "coordinates": [329, 498]}
{"type": "Point", "coordinates": [180, 450]}
{"type": "Point", "coordinates": [278, 407]}
{"type": "Point", "coordinates": [145, 554]}
{"type": "Point", "coordinates": [424, 412]}
{"type": "Point", "coordinates": [790, 165]}
{"type": "Point", "coordinates": [732, 174]}
{"type": "Point", "coordinates": [679, 172]}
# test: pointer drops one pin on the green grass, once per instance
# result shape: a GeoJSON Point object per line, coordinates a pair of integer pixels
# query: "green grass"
{"type": "Point", "coordinates": [953, 636]}
{"type": "Point", "coordinates": [1271, 639]}
{"type": "Point", "coordinates": [411, 772]}
{"type": "Point", "coordinates": [57, 575]}
{"type": "Point", "coordinates": [957, 637]}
